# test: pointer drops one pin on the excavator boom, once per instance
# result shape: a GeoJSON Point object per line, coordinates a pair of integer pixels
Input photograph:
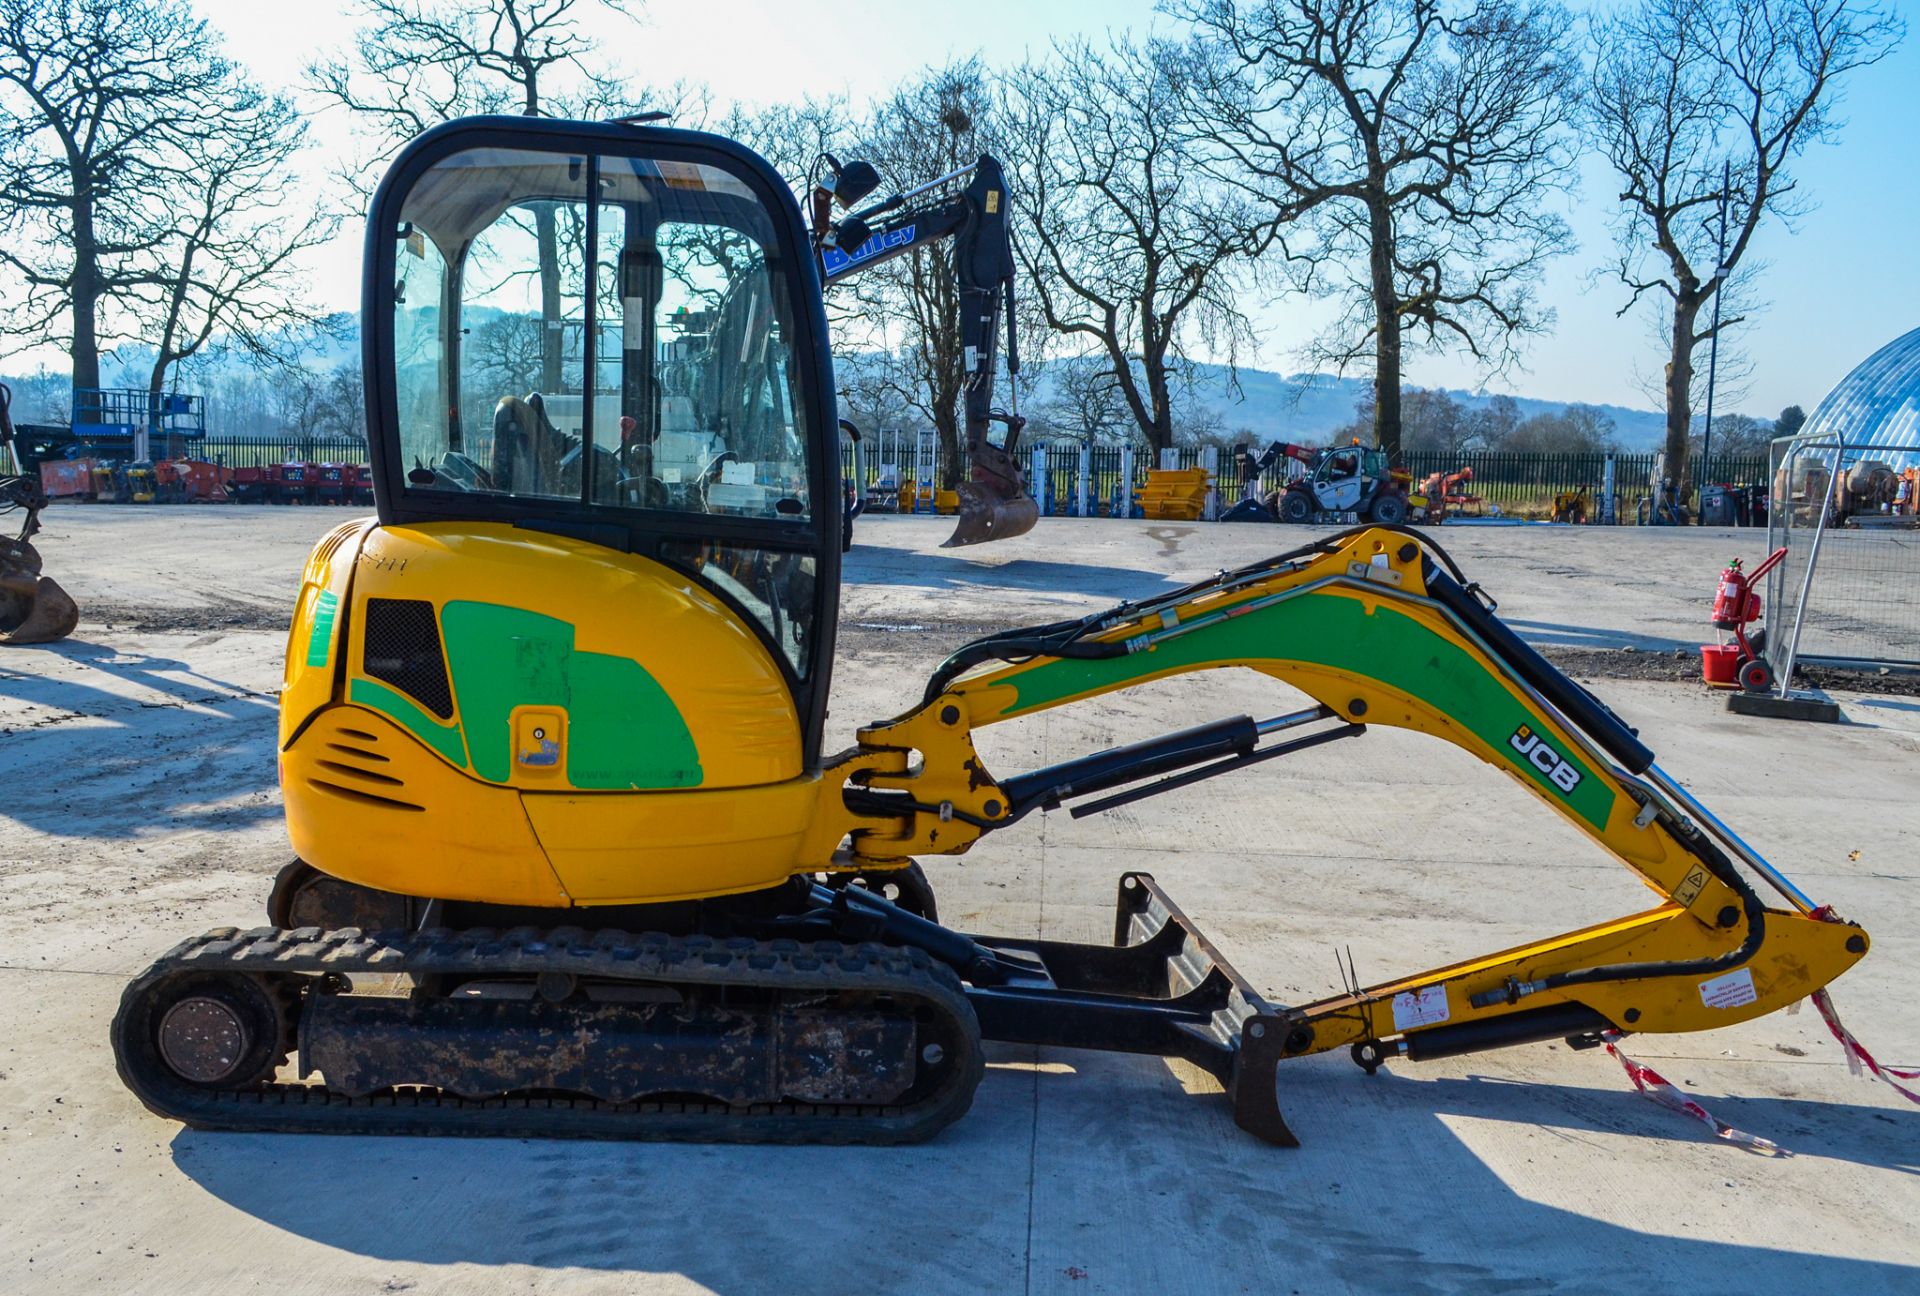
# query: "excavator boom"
{"type": "Point", "coordinates": [994, 501]}
{"type": "Point", "coordinates": [1379, 628]}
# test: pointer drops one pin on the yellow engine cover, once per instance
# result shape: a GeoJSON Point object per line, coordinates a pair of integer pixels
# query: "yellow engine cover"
{"type": "Point", "coordinates": [476, 712]}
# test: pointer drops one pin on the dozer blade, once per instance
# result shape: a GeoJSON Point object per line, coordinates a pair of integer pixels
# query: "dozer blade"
{"type": "Point", "coordinates": [33, 608]}
{"type": "Point", "coordinates": [1162, 988]}
{"type": "Point", "coordinates": [986, 514]}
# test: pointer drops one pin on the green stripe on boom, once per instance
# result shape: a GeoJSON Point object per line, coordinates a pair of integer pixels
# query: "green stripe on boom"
{"type": "Point", "coordinates": [1338, 632]}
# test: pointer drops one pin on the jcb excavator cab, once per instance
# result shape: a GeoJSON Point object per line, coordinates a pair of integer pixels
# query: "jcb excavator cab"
{"type": "Point", "coordinates": [615, 336]}
{"type": "Point", "coordinates": [607, 553]}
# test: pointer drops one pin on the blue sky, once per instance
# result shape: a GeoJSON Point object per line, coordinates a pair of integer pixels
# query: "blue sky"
{"type": "Point", "coordinates": [1839, 285]}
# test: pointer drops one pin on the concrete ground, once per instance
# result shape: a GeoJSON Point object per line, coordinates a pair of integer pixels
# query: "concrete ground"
{"type": "Point", "coordinates": [140, 807]}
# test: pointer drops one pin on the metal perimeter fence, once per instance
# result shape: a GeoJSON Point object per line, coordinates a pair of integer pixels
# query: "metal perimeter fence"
{"type": "Point", "coordinates": [1848, 517]}
{"type": "Point", "coordinates": [249, 452]}
{"type": "Point", "coordinates": [1514, 484]}
{"type": "Point", "coordinates": [258, 452]}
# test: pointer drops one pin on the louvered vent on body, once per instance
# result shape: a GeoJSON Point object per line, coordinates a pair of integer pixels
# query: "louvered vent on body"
{"type": "Point", "coordinates": [401, 647]}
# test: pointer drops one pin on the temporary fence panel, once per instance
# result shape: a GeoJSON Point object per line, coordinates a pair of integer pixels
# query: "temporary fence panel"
{"type": "Point", "coordinates": [1848, 518]}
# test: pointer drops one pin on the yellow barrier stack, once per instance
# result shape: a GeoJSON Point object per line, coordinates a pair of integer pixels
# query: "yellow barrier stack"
{"type": "Point", "coordinates": [1174, 494]}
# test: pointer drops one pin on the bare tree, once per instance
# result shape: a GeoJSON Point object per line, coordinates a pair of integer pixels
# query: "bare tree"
{"type": "Point", "coordinates": [339, 407]}
{"type": "Point", "coordinates": [1085, 401]}
{"type": "Point", "coordinates": [1735, 436]}
{"type": "Point", "coordinates": [1128, 246]}
{"type": "Point", "coordinates": [791, 136]}
{"type": "Point", "coordinates": [96, 97]}
{"type": "Point", "coordinates": [1686, 92]}
{"type": "Point", "coordinates": [1573, 429]}
{"type": "Point", "coordinates": [417, 63]}
{"type": "Point", "coordinates": [1405, 150]}
{"type": "Point", "coordinates": [507, 350]}
{"type": "Point", "coordinates": [229, 266]}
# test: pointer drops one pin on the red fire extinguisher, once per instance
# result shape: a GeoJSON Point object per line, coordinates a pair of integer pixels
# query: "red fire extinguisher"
{"type": "Point", "coordinates": [1736, 605]}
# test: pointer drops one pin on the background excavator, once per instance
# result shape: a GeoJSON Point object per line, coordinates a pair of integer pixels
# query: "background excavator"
{"type": "Point", "coordinates": [33, 607]}
{"type": "Point", "coordinates": [571, 859]}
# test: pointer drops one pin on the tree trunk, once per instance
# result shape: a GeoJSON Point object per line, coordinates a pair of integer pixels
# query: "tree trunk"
{"type": "Point", "coordinates": [953, 442]}
{"type": "Point", "coordinates": [1686, 309]}
{"type": "Point", "coordinates": [156, 388]}
{"type": "Point", "coordinates": [86, 296]}
{"type": "Point", "coordinates": [1386, 323]}
{"type": "Point", "coordinates": [1160, 435]}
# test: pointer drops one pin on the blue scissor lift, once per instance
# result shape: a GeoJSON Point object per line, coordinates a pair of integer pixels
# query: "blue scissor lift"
{"type": "Point", "coordinates": [106, 419]}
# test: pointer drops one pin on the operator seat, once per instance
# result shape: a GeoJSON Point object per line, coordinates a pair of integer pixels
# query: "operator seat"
{"type": "Point", "coordinates": [527, 447]}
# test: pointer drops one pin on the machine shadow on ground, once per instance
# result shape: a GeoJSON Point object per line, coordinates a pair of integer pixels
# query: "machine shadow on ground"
{"type": "Point", "coordinates": [1554, 634]}
{"type": "Point", "coordinates": [939, 571]}
{"type": "Point", "coordinates": [199, 737]}
{"type": "Point", "coordinates": [1113, 1148]}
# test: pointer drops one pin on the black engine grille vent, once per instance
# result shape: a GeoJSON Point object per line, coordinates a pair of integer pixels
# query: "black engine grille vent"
{"type": "Point", "coordinates": [402, 648]}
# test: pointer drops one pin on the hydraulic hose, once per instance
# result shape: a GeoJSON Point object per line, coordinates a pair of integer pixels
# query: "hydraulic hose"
{"type": "Point", "coordinates": [1721, 867]}
{"type": "Point", "coordinates": [1014, 650]}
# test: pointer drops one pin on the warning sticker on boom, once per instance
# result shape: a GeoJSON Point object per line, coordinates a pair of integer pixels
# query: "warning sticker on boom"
{"type": "Point", "coordinates": [1690, 886]}
{"type": "Point", "coordinates": [1729, 991]}
{"type": "Point", "coordinates": [1423, 1007]}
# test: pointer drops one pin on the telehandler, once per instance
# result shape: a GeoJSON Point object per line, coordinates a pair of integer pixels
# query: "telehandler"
{"type": "Point", "coordinates": [571, 860]}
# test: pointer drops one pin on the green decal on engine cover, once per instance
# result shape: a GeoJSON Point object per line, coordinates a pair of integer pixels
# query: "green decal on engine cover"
{"type": "Point", "coordinates": [1339, 632]}
{"type": "Point", "coordinates": [320, 631]}
{"type": "Point", "coordinates": [411, 716]}
{"type": "Point", "coordinates": [623, 731]}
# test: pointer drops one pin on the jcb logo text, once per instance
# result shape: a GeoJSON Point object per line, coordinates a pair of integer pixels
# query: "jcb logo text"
{"type": "Point", "coordinates": [1559, 771]}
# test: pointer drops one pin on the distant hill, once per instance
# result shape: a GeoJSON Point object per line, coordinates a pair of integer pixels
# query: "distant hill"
{"type": "Point", "coordinates": [1307, 408]}
{"type": "Point", "coordinates": [1301, 407]}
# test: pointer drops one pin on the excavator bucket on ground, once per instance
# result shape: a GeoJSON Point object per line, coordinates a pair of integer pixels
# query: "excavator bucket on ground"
{"type": "Point", "coordinates": [33, 608]}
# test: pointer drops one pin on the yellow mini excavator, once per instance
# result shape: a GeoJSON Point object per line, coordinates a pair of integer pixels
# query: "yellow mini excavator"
{"type": "Point", "coordinates": [570, 858]}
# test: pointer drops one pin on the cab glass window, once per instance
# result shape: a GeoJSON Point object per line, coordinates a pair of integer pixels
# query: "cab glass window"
{"type": "Point", "coordinates": [583, 333]}
{"type": "Point", "coordinates": [614, 331]}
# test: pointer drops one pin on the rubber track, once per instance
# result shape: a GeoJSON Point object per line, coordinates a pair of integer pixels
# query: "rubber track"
{"type": "Point", "coordinates": [823, 966]}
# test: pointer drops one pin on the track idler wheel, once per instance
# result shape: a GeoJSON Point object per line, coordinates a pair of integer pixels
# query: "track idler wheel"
{"type": "Point", "coordinates": [33, 608]}
{"type": "Point", "coordinates": [210, 1030]}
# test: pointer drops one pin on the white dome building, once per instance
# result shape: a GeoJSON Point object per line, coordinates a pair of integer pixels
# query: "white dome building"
{"type": "Point", "coordinates": [1877, 405]}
